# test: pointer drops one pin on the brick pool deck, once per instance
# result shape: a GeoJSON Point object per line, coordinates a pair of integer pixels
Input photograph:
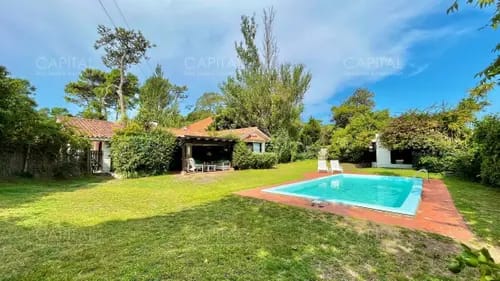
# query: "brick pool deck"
{"type": "Point", "coordinates": [436, 213]}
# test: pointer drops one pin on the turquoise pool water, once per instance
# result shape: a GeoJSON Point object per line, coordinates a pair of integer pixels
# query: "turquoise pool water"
{"type": "Point", "coordinates": [386, 193]}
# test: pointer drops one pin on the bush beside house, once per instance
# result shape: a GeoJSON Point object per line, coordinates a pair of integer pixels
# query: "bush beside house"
{"type": "Point", "coordinates": [138, 152]}
{"type": "Point", "coordinates": [243, 158]}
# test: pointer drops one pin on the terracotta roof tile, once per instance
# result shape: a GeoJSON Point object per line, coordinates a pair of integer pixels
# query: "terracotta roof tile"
{"type": "Point", "coordinates": [91, 128]}
{"type": "Point", "coordinates": [250, 134]}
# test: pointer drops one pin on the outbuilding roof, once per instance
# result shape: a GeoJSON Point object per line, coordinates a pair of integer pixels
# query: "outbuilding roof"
{"type": "Point", "coordinates": [91, 128]}
{"type": "Point", "coordinates": [101, 129]}
{"type": "Point", "coordinates": [201, 129]}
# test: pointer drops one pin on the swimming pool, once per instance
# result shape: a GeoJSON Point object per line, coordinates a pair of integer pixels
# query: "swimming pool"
{"type": "Point", "coordinates": [386, 193]}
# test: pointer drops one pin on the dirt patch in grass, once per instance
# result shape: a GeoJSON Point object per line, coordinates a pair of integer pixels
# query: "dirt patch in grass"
{"type": "Point", "coordinates": [202, 178]}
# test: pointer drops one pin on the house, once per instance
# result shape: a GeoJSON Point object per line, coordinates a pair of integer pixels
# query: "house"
{"type": "Point", "coordinates": [385, 158]}
{"type": "Point", "coordinates": [99, 132]}
{"type": "Point", "coordinates": [199, 142]}
{"type": "Point", "coordinates": [196, 141]}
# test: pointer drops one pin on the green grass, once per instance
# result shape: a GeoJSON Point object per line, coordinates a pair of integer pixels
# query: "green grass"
{"type": "Point", "coordinates": [479, 205]}
{"type": "Point", "coordinates": [191, 228]}
{"type": "Point", "coordinates": [389, 172]}
{"type": "Point", "coordinates": [87, 202]}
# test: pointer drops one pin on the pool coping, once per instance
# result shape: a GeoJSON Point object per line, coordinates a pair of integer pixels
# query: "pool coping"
{"type": "Point", "coordinates": [408, 208]}
{"type": "Point", "coordinates": [436, 212]}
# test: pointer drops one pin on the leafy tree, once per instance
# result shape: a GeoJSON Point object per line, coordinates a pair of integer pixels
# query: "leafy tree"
{"type": "Point", "coordinates": [438, 134]}
{"type": "Point", "coordinates": [456, 122]}
{"type": "Point", "coordinates": [361, 101]}
{"type": "Point", "coordinates": [209, 104]}
{"type": "Point", "coordinates": [269, 44]}
{"type": "Point", "coordinates": [418, 131]}
{"type": "Point", "coordinates": [130, 90]}
{"type": "Point", "coordinates": [247, 50]}
{"type": "Point", "coordinates": [355, 125]}
{"type": "Point", "coordinates": [34, 133]}
{"type": "Point", "coordinates": [85, 94]}
{"type": "Point", "coordinates": [285, 147]}
{"type": "Point", "coordinates": [350, 143]}
{"type": "Point", "coordinates": [122, 48]}
{"type": "Point", "coordinates": [263, 95]}
{"type": "Point", "coordinates": [490, 76]}
{"type": "Point", "coordinates": [17, 113]}
{"type": "Point", "coordinates": [159, 100]}
{"type": "Point", "coordinates": [95, 92]}
{"type": "Point", "coordinates": [326, 134]}
{"type": "Point", "coordinates": [311, 132]}
{"type": "Point", "coordinates": [311, 139]}
{"type": "Point", "coordinates": [54, 112]}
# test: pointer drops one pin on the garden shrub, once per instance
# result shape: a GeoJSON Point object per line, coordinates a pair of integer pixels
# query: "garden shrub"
{"type": "Point", "coordinates": [243, 158]}
{"type": "Point", "coordinates": [137, 152]}
{"type": "Point", "coordinates": [431, 163]}
{"type": "Point", "coordinates": [466, 164]}
{"type": "Point", "coordinates": [265, 160]}
{"type": "Point", "coordinates": [284, 147]}
{"type": "Point", "coordinates": [311, 152]}
{"type": "Point", "coordinates": [486, 136]}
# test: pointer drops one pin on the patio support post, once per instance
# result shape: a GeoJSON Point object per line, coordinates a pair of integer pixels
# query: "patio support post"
{"type": "Point", "coordinates": [183, 157]}
{"type": "Point", "coordinates": [186, 154]}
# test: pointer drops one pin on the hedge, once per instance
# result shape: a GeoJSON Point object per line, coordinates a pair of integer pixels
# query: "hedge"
{"type": "Point", "coordinates": [137, 152]}
{"type": "Point", "coordinates": [243, 158]}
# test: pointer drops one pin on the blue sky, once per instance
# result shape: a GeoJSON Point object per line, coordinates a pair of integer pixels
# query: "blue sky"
{"type": "Point", "coordinates": [411, 54]}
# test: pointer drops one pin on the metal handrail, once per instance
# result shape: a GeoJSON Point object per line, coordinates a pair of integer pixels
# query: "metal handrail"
{"type": "Point", "coordinates": [422, 171]}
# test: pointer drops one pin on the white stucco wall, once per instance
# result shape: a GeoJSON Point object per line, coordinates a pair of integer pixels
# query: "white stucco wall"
{"type": "Point", "coordinates": [383, 154]}
{"type": "Point", "coordinates": [384, 157]}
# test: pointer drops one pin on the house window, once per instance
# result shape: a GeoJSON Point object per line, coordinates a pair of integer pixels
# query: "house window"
{"type": "Point", "coordinates": [257, 147]}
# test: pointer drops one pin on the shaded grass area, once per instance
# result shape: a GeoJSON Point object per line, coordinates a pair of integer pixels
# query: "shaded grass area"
{"type": "Point", "coordinates": [480, 205]}
{"type": "Point", "coordinates": [230, 239]}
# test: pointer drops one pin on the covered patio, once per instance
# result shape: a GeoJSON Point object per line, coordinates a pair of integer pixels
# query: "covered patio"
{"type": "Point", "coordinates": [208, 153]}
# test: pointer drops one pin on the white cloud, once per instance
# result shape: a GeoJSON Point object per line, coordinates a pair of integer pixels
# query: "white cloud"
{"type": "Point", "coordinates": [341, 42]}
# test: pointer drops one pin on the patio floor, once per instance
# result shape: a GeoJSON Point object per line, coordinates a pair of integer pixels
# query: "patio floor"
{"type": "Point", "coordinates": [436, 213]}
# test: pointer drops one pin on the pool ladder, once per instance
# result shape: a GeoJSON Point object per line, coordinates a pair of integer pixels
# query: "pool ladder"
{"type": "Point", "coordinates": [422, 171]}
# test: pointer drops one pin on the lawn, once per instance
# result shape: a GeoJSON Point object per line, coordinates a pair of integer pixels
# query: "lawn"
{"type": "Point", "coordinates": [480, 205]}
{"type": "Point", "coordinates": [192, 228]}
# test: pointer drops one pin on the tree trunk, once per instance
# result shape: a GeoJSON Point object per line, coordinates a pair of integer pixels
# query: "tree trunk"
{"type": "Point", "coordinates": [123, 110]}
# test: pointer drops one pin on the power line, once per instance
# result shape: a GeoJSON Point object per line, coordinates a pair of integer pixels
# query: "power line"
{"type": "Point", "coordinates": [107, 14]}
{"type": "Point", "coordinates": [121, 14]}
{"type": "Point", "coordinates": [113, 23]}
{"type": "Point", "coordinates": [128, 26]}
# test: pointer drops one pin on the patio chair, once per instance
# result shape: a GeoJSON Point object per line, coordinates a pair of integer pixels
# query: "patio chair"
{"type": "Point", "coordinates": [322, 167]}
{"type": "Point", "coordinates": [193, 166]}
{"type": "Point", "coordinates": [335, 166]}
